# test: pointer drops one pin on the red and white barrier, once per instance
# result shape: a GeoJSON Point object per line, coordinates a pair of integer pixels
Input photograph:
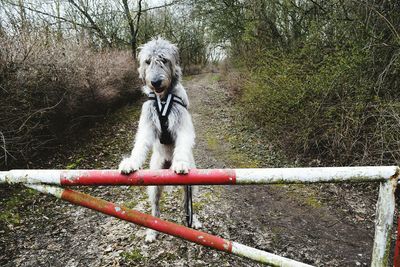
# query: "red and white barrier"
{"type": "Point", "coordinates": [386, 175]}
{"type": "Point", "coordinates": [166, 227]}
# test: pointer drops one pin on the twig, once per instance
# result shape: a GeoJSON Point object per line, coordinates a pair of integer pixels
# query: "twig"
{"type": "Point", "coordinates": [4, 89]}
{"type": "Point", "coordinates": [40, 110]}
{"type": "Point", "coordinates": [49, 15]}
{"type": "Point", "coordinates": [4, 147]}
{"type": "Point", "coordinates": [3, 139]}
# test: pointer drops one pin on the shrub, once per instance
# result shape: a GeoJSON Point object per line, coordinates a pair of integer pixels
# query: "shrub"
{"type": "Point", "coordinates": [328, 110]}
{"type": "Point", "coordinates": [46, 85]}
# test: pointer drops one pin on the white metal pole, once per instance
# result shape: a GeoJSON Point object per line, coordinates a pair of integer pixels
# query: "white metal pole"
{"type": "Point", "coordinates": [264, 257]}
{"type": "Point", "coordinates": [314, 175]}
{"type": "Point", "coordinates": [383, 223]}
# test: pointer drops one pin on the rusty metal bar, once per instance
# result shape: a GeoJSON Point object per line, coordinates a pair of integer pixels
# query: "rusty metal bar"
{"type": "Point", "coordinates": [384, 222]}
{"type": "Point", "coordinates": [202, 176]}
{"type": "Point", "coordinates": [166, 227]}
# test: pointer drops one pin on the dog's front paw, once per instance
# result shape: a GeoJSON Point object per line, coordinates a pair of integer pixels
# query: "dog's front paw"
{"type": "Point", "coordinates": [196, 224]}
{"type": "Point", "coordinates": [127, 166]}
{"type": "Point", "coordinates": [151, 236]}
{"type": "Point", "coordinates": [181, 167]}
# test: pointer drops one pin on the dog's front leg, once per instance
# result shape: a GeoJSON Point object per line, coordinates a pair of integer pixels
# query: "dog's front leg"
{"type": "Point", "coordinates": [144, 139]}
{"type": "Point", "coordinates": [183, 157]}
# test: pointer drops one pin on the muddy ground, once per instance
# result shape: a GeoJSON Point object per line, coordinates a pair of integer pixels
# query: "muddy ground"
{"type": "Point", "coordinates": [323, 225]}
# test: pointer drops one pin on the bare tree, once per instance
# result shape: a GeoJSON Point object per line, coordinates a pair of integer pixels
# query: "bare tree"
{"type": "Point", "coordinates": [132, 29]}
{"type": "Point", "coordinates": [93, 24]}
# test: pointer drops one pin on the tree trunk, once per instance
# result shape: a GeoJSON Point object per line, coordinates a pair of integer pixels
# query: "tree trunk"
{"type": "Point", "coordinates": [131, 27]}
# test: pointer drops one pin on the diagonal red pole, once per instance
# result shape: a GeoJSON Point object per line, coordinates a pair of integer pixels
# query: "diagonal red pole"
{"type": "Point", "coordinates": [166, 227]}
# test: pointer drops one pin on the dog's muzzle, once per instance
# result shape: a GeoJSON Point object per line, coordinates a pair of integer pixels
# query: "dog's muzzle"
{"type": "Point", "coordinates": [157, 85]}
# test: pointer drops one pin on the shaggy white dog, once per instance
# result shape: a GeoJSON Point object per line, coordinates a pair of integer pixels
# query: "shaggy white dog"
{"type": "Point", "coordinates": [165, 123]}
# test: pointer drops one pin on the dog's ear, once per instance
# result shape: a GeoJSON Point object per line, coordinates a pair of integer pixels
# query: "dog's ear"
{"type": "Point", "coordinates": [139, 58]}
{"type": "Point", "coordinates": [175, 52]}
{"type": "Point", "coordinates": [177, 73]}
{"type": "Point", "coordinates": [141, 72]}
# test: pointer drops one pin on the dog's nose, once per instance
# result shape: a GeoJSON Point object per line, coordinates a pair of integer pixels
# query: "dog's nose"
{"type": "Point", "coordinates": [156, 83]}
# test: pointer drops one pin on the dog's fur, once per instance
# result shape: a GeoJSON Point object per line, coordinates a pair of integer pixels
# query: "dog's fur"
{"type": "Point", "coordinates": [159, 61]}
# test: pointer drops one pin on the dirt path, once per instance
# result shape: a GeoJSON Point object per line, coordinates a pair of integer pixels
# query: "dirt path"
{"type": "Point", "coordinates": [321, 225]}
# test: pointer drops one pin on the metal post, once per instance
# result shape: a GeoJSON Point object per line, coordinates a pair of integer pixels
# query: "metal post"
{"type": "Point", "coordinates": [384, 222]}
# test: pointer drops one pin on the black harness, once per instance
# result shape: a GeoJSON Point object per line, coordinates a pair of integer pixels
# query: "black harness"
{"type": "Point", "coordinates": [163, 107]}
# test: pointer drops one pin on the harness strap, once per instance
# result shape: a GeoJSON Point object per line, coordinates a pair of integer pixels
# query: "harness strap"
{"type": "Point", "coordinates": [175, 99]}
{"type": "Point", "coordinates": [163, 107]}
{"type": "Point", "coordinates": [188, 206]}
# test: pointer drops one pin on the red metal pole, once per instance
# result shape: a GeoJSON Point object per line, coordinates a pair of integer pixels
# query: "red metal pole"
{"type": "Point", "coordinates": [148, 177]}
{"type": "Point", "coordinates": [146, 220]}
{"type": "Point", "coordinates": [166, 227]}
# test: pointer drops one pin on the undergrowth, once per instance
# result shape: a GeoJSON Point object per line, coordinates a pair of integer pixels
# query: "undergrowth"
{"type": "Point", "coordinates": [326, 112]}
{"type": "Point", "coordinates": [50, 90]}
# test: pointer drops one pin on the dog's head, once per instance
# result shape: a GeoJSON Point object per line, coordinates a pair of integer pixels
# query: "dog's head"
{"type": "Point", "coordinates": [159, 65]}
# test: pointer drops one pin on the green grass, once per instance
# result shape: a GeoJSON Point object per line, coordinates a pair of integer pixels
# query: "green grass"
{"type": "Point", "coordinates": [12, 206]}
{"type": "Point", "coordinates": [215, 77]}
{"type": "Point", "coordinates": [313, 202]}
{"type": "Point", "coordinates": [74, 164]}
{"type": "Point", "coordinates": [199, 205]}
{"type": "Point", "coordinates": [212, 142]}
{"type": "Point", "coordinates": [134, 255]}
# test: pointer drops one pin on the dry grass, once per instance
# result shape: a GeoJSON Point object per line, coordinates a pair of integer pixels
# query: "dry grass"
{"type": "Point", "coordinates": [47, 85]}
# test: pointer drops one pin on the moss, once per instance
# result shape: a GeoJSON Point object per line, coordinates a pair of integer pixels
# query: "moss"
{"type": "Point", "coordinates": [10, 213]}
{"type": "Point", "coordinates": [10, 217]}
{"type": "Point", "coordinates": [187, 78]}
{"type": "Point", "coordinates": [170, 256]}
{"type": "Point", "coordinates": [313, 202]}
{"type": "Point", "coordinates": [207, 195]}
{"type": "Point", "coordinates": [215, 78]}
{"type": "Point", "coordinates": [134, 255]}
{"type": "Point", "coordinates": [138, 195]}
{"type": "Point", "coordinates": [162, 202]}
{"type": "Point", "coordinates": [131, 204]}
{"type": "Point", "coordinates": [198, 206]}
{"type": "Point", "coordinates": [74, 164]}
{"type": "Point", "coordinates": [241, 160]}
{"type": "Point", "coordinates": [212, 142]}
{"type": "Point", "coordinates": [138, 191]}
{"type": "Point", "coordinates": [177, 193]}
{"type": "Point", "coordinates": [125, 113]}
{"type": "Point", "coordinates": [302, 193]}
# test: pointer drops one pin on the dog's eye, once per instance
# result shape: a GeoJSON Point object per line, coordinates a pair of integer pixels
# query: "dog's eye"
{"type": "Point", "coordinates": [147, 61]}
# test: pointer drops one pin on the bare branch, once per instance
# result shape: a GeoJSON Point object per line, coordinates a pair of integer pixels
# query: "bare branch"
{"type": "Point", "coordinates": [49, 15]}
{"type": "Point", "coordinates": [42, 110]}
{"type": "Point", "coordinates": [157, 7]}
{"type": "Point", "coordinates": [91, 21]}
{"type": "Point", "coordinates": [139, 13]}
